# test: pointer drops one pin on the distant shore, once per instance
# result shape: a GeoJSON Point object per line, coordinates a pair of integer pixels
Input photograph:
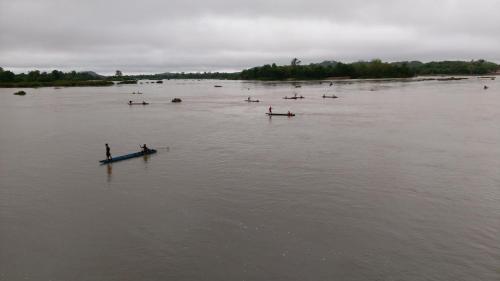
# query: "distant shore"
{"type": "Point", "coordinates": [324, 71]}
{"type": "Point", "coordinates": [92, 83]}
{"type": "Point", "coordinates": [106, 83]}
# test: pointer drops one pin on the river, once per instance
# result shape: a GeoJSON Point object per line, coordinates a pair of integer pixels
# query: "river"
{"type": "Point", "coordinates": [391, 181]}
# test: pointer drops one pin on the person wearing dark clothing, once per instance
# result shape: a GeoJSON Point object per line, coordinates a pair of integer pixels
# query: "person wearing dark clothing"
{"type": "Point", "coordinates": [108, 152]}
{"type": "Point", "coordinates": [145, 149]}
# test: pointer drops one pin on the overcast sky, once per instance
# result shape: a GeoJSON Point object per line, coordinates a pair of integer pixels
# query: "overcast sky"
{"type": "Point", "coordinates": [153, 36]}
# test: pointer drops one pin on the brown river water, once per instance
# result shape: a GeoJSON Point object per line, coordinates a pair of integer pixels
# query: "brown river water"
{"type": "Point", "coordinates": [391, 181]}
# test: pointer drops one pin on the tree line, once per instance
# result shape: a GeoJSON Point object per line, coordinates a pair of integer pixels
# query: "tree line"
{"type": "Point", "coordinates": [372, 69]}
{"type": "Point", "coordinates": [36, 78]}
{"type": "Point", "coordinates": [295, 70]}
{"type": "Point", "coordinates": [55, 75]}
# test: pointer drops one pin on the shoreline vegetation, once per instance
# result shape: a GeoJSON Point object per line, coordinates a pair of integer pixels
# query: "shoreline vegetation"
{"type": "Point", "coordinates": [327, 70]}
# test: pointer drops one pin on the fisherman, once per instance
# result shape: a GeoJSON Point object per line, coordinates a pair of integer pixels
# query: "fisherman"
{"type": "Point", "coordinates": [130, 102]}
{"type": "Point", "coordinates": [270, 110]}
{"type": "Point", "coordinates": [108, 152]}
{"type": "Point", "coordinates": [145, 149]}
{"type": "Point", "coordinates": [248, 99]}
{"type": "Point", "coordinates": [289, 113]}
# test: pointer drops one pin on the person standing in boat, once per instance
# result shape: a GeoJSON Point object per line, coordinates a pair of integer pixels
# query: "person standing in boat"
{"type": "Point", "coordinates": [270, 110]}
{"type": "Point", "coordinates": [145, 149]}
{"type": "Point", "coordinates": [108, 152]}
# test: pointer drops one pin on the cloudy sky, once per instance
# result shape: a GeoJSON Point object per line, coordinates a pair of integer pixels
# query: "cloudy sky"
{"type": "Point", "coordinates": [153, 36]}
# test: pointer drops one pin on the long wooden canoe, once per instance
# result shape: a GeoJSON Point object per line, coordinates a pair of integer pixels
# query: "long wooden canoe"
{"type": "Point", "coordinates": [294, 98]}
{"type": "Point", "coordinates": [127, 156]}
{"type": "Point", "coordinates": [280, 114]}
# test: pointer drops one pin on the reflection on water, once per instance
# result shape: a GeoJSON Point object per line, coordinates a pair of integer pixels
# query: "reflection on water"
{"type": "Point", "coordinates": [400, 183]}
{"type": "Point", "coordinates": [109, 169]}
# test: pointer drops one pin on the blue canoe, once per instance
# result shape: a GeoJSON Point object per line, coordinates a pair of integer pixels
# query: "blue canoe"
{"type": "Point", "coordinates": [127, 156]}
{"type": "Point", "coordinates": [281, 114]}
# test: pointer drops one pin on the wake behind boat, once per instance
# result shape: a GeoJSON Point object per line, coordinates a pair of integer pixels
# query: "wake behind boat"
{"type": "Point", "coordinates": [128, 156]}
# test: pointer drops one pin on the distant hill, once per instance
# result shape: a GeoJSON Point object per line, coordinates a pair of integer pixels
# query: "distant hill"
{"type": "Point", "coordinates": [327, 63]}
{"type": "Point", "coordinates": [92, 74]}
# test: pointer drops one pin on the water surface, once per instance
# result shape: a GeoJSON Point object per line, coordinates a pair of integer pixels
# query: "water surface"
{"type": "Point", "coordinates": [391, 181]}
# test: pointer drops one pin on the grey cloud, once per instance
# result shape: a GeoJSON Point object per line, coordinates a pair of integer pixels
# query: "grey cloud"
{"type": "Point", "coordinates": [188, 35]}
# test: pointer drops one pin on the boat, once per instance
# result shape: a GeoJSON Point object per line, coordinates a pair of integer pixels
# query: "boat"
{"type": "Point", "coordinates": [175, 100]}
{"type": "Point", "coordinates": [138, 103]}
{"type": "Point", "coordinates": [294, 98]}
{"type": "Point", "coordinates": [280, 114]}
{"type": "Point", "coordinates": [217, 86]}
{"type": "Point", "coordinates": [330, 97]}
{"type": "Point", "coordinates": [252, 100]}
{"type": "Point", "coordinates": [128, 156]}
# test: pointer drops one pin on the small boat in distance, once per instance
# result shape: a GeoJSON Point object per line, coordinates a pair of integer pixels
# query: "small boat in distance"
{"type": "Point", "coordinates": [128, 156]}
{"type": "Point", "coordinates": [289, 114]}
{"type": "Point", "coordinates": [138, 103]}
{"type": "Point", "coordinates": [294, 97]}
{"type": "Point", "coordinates": [330, 97]}
{"type": "Point", "coordinates": [250, 100]}
{"type": "Point", "coordinates": [217, 86]}
{"type": "Point", "coordinates": [176, 100]}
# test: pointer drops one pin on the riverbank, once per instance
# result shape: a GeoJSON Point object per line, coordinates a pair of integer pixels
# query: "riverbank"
{"type": "Point", "coordinates": [90, 83]}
